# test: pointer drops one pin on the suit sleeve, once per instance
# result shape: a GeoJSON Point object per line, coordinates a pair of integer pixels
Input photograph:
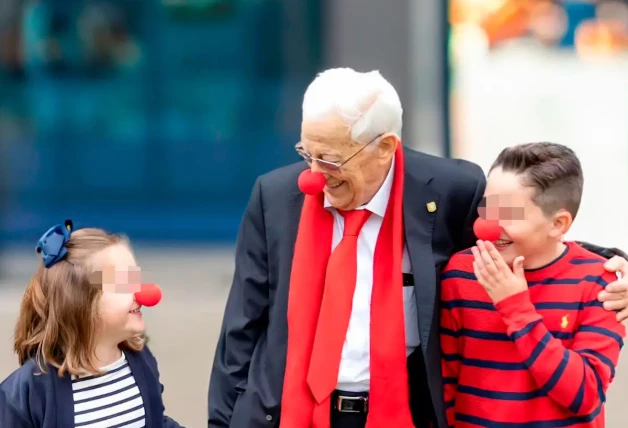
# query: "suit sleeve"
{"type": "Point", "coordinates": [468, 238]}
{"type": "Point", "coordinates": [246, 315]}
{"type": "Point", "coordinates": [576, 378]}
{"type": "Point", "coordinates": [607, 253]}
{"type": "Point", "coordinates": [450, 343]}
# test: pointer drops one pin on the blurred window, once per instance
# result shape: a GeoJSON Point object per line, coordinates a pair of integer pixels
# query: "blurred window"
{"type": "Point", "coordinates": [130, 106]}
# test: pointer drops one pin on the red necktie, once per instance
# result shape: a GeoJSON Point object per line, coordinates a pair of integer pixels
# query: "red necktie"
{"type": "Point", "coordinates": [333, 320]}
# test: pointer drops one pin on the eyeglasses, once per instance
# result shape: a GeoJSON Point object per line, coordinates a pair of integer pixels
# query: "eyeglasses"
{"type": "Point", "coordinates": [328, 166]}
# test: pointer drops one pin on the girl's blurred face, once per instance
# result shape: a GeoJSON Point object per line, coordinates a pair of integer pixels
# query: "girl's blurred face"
{"type": "Point", "coordinates": [120, 314]}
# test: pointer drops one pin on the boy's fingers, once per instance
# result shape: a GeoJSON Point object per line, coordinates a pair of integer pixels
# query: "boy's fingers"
{"type": "Point", "coordinates": [486, 258]}
{"type": "Point", "coordinates": [479, 275]}
{"type": "Point", "coordinates": [497, 258]}
{"type": "Point", "coordinates": [477, 258]}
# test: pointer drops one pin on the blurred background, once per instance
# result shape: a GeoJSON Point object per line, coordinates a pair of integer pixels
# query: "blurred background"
{"type": "Point", "coordinates": [154, 117]}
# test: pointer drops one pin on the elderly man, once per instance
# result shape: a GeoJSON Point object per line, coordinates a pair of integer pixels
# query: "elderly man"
{"type": "Point", "coordinates": [332, 315]}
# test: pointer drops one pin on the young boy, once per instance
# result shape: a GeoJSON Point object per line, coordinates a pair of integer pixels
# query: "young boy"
{"type": "Point", "coordinates": [525, 342]}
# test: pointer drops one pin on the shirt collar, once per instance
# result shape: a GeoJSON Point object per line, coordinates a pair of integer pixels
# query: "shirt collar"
{"type": "Point", "coordinates": [379, 203]}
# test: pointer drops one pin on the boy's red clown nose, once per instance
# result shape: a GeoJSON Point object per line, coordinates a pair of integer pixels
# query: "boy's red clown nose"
{"type": "Point", "coordinates": [487, 230]}
{"type": "Point", "coordinates": [150, 295]}
{"type": "Point", "coordinates": [311, 183]}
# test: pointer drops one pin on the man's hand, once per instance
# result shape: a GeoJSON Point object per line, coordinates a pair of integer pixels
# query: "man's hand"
{"type": "Point", "coordinates": [615, 295]}
{"type": "Point", "coordinates": [495, 275]}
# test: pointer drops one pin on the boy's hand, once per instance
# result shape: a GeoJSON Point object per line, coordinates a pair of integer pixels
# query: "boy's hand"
{"type": "Point", "coordinates": [615, 295]}
{"type": "Point", "coordinates": [495, 275]}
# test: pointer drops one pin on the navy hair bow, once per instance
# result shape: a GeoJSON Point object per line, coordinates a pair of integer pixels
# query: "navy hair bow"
{"type": "Point", "coordinates": [51, 245]}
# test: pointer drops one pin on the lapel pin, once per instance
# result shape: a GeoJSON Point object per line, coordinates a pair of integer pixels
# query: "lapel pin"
{"type": "Point", "coordinates": [431, 206]}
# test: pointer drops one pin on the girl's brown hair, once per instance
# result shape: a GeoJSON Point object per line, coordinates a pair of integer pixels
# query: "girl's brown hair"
{"type": "Point", "coordinates": [59, 318]}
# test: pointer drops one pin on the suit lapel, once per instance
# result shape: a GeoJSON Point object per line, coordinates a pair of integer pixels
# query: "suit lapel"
{"type": "Point", "coordinates": [294, 217]}
{"type": "Point", "coordinates": [419, 224]}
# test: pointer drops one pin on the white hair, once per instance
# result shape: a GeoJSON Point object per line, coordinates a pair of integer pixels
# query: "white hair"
{"type": "Point", "coordinates": [366, 102]}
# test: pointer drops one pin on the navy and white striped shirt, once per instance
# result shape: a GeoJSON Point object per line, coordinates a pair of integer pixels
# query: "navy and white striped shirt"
{"type": "Point", "coordinates": [112, 400]}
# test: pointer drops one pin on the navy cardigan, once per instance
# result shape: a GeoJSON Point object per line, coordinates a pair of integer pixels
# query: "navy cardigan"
{"type": "Point", "coordinates": [32, 400]}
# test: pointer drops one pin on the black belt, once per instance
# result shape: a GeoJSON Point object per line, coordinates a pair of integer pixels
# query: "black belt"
{"type": "Point", "coordinates": [408, 280]}
{"type": "Point", "coordinates": [350, 402]}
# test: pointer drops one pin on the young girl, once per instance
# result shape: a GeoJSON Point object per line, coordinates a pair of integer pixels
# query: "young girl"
{"type": "Point", "coordinates": [79, 340]}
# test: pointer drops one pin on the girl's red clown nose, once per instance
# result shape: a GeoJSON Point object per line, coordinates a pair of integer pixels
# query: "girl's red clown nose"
{"type": "Point", "coordinates": [150, 295]}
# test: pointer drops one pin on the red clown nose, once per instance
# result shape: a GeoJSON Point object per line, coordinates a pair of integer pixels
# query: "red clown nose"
{"type": "Point", "coordinates": [487, 230]}
{"type": "Point", "coordinates": [150, 295]}
{"type": "Point", "coordinates": [311, 183]}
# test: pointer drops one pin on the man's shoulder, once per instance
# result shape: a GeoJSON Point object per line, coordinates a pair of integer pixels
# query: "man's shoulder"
{"type": "Point", "coordinates": [448, 169]}
{"type": "Point", "coordinates": [458, 181]}
{"type": "Point", "coordinates": [284, 178]}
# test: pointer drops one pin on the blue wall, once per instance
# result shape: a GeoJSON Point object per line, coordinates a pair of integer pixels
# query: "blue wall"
{"type": "Point", "coordinates": [164, 141]}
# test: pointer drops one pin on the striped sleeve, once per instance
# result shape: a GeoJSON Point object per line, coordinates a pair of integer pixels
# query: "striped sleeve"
{"type": "Point", "coordinates": [450, 344]}
{"type": "Point", "coordinates": [576, 378]}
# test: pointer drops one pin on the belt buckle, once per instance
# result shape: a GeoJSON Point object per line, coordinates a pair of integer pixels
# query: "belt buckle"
{"type": "Point", "coordinates": [350, 404]}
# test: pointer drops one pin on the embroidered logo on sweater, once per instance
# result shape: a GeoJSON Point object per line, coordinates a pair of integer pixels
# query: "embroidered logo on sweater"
{"type": "Point", "coordinates": [564, 322]}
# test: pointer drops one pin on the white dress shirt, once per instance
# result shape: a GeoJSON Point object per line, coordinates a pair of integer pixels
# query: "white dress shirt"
{"type": "Point", "coordinates": [355, 361]}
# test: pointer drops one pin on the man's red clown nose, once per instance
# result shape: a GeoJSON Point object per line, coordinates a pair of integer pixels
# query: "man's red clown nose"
{"type": "Point", "coordinates": [149, 295]}
{"type": "Point", "coordinates": [487, 230]}
{"type": "Point", "coordinates": [311, 183]}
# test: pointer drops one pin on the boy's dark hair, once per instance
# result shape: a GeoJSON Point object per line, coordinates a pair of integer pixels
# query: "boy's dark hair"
{"type": "Point", "coordinates": [553, 170]}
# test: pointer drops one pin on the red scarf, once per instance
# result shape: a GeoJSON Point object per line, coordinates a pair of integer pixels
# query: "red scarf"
{"type": "Point", "coordinates": [389, 404]}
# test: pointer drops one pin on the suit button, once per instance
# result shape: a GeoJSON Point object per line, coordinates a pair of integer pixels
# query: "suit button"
{"type": "Point", "coordinates": [269, 418]}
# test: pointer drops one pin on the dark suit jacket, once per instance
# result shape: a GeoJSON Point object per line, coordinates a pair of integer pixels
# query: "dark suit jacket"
{"type": "Point", "coordinates": [248, 371]}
